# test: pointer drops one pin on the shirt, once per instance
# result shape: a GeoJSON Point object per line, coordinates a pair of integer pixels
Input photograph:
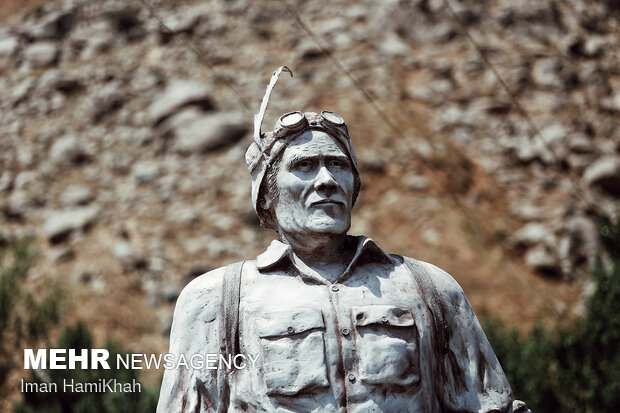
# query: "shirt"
{"type": "Point", "coordinates": [363, 343]}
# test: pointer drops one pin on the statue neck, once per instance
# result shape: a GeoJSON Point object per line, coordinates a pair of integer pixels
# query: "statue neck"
{"type": "Point", "coordinates": [327, 254]}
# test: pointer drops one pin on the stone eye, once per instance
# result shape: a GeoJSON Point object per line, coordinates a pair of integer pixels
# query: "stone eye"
{"type": "Point", "coordinates": [304, 165]}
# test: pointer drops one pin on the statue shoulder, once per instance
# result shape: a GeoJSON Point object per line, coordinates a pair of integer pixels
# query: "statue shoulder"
{"type": "Point", "coordinates": [202, 297]}
{"type": "Point", "coordinates": [445, 284]}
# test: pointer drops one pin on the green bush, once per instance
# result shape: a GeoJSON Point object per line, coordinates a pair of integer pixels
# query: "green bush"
{"type": "Point", "coordinates": [574, 368]}
{"type": "Point", "coordinates": [23, 319]}
{"type": "Point", "coordinates": [79, 337]}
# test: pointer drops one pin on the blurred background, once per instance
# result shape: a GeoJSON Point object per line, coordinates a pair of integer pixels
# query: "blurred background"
{"type": "Point", "coordinates": [488, 143]}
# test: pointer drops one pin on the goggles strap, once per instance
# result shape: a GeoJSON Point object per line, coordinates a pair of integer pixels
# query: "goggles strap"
{"type": "Point", "coordinates": [258, 117]}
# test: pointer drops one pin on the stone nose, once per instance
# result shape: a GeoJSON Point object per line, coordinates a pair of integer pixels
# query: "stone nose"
{"type": "Point", "coordinates": [324, 180]}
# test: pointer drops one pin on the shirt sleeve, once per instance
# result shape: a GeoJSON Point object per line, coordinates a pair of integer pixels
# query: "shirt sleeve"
{"type": "Point", "coordinates": [195, 330]}
{"type": "Point", "coordinates": [470, 376]}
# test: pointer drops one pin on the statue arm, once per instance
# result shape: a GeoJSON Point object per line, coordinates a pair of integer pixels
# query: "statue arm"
{"type": "Point", "coordinates": [194, 331]}
{"type": "Point", "coordinates": [473, 378]}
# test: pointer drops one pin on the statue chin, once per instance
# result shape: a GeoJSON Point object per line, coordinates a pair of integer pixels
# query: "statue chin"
{"type": "Point", "coordinates": [327, 226]}
{"type": "Point", "coordinates": [322, 224]}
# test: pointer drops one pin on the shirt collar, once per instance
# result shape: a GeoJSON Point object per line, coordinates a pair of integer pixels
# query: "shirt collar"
{"type": "Point", "coordinates": [280, 253]}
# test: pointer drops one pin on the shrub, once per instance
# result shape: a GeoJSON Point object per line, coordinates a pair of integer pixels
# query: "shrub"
{"type": "Point", "coordinates": [575, 368]}
{"type": "Point", "coordinates": [22, 317]}
{"type": "Point", "coordinates": [79, 337]}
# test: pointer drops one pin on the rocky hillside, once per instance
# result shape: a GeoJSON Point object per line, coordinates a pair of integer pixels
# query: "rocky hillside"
{"type": "Point", "coordinates": [487, 135]}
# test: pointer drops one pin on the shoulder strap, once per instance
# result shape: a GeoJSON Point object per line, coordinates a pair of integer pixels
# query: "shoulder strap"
{"type": "Point", "coordinates": [229, 327]}
{"type": "Point", "coordinates": [433, 302]}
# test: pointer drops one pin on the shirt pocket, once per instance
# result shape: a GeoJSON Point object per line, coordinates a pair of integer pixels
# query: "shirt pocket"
{"type": "Point", "coordinates": [293, 353]}
{"type": "Point", "coordinates": [387, 345]}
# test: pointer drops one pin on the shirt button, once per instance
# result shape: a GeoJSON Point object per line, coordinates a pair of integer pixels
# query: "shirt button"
{"type": "Point", "coordinates": [345, 331]}
{"type": "Point", "coordinates": [335, 288]}
{"type": "Point", "coordinates": [290, 330]}
{"type": "Point", "coordinates": [351, 378]}
{"type": "Point", "coordinates": [384, 319]}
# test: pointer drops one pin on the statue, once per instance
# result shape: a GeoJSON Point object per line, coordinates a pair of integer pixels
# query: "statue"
{"type": "Point", "coordinates": [337, 323]}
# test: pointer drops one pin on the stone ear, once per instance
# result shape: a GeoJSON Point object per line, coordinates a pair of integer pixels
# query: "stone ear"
{"type": "Point", "coordinates": [266, 201]}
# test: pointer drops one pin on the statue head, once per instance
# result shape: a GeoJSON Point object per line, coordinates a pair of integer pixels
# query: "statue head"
{"type": "Point", "coordinates": [304, 172]}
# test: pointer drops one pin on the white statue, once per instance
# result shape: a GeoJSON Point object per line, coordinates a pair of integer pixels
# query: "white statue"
{"type": "Point", "coordinates": [337, 324]}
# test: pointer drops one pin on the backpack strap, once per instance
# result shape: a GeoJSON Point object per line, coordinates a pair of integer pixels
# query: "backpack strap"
{"type": "Point", "coordinates": [433, 302]}
{"type": "Point", "coordinates": [229, 328]}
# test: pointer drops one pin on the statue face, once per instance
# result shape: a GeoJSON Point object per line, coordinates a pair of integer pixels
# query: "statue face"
{"type": "Point", "coordinates": [316, 184]}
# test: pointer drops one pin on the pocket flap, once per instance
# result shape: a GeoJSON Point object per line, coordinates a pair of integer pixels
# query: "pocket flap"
{"type": "Point", "coordinates": [285, 323]}
{"type": "Point", "coordinates": [382, 314]}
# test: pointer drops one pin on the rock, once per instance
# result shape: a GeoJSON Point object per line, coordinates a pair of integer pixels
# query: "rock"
{"type": "Point", "coordinates": [525, 211]}
{"type": "Point", "coordinates": [107, 100]}
{"type": "Point", "coordinates": [53, 24]}
{"type": "Point", "coordinates": [179, 94]}
{"type": "Point", "coordinates": [182, 23]}
{"type": "Point", "coordinates": [62, 254]}
{"type": "Point", "coordinates": [548, 146]}
{"type": "Point", "coordinates": [16, 204]}
{"type": "Point", "coordinates": [129, 258]}
{"type": "Point", "coordinates": [533, 233]}
{"type": "Point", "coordinates": [145, 171]}
{"type": "Point", "coordinates": [372, 162]}
{"type": "Point", "coordinates": [581, 242]}
{"type": "Point", "coordinates": [605, 174]}
{"type": "Point", "coordinates": [546, 72]}
{"type": "Point", "coordinates": [66, 150]}
{"type": "Point", "coordinates": [55, 80]}
{"type": "Point", "coordinates": [183, 215]}
{"type": "Point", "coordinates": [77, 195]}
{"type": "Point", "coordinates": [309, 50]}
{"type": "Point", "coordinates": [170, 293]}
{"type": "Point", "coordinates": [540, 259]}
{"type": "Point", "coordinates": [60, 224]}
{"type": "Point", "coordinates": [417, 182]}
{"type": "Point", "coordinates": [209, 132]}
{"type": "Point", "coordinates": [93, 39]}
{"type": "Point", "coordinates": [392, 45]}
{"type": "Point", "coordinates": [42, 54]}
{"type": "Point", "coordinates": [21, 91]}
{"type": "Point", "coordinates": [8, 48]}
{"type": "Point", "coordinates": [431, 237]}
{"type": "Point", "coordinates": [580, 144]}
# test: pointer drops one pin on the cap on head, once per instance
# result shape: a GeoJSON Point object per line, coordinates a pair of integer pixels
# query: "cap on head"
{"type": "Point", "coordinates": [268, 147]}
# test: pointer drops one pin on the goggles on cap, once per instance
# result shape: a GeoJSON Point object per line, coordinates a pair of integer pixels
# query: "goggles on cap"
{"type": "Point", "coordinates": [297, 121]}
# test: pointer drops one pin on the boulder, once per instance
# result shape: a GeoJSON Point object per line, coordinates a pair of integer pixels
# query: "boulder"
{"type": "Point", "coordinates": [42, 54]}
{"type": "Point", "coordinates": [145, 171]}
{"type": "Point", "coordinates": [8, 49]}
{"type": "Point", "coordinates": [546, 72]}
{"type": "Point", "coordinates": [209, 132]}
{"type": "Point", "coordinates": [548, 146]}
{"type": "Point", "coordinates": [129, 257]}
{"type": "Point", "coordinates": [533, 233]}
{"type": "Point", "coordinates": [541, 260]}
{"type": "Point", "coordinates": [604, 173]}
{"type": "Point", "coordinates": [179, 94]}
{"type": "Point", "coordinates": [60, 224]}
{"type": "Point", "coordinates": [67, 149]}
{"type": "Point", "coordinates": [77, 195]}
{"type": "Point", "coordinates": [580, 242]}
{"type": "Point", "coordinates": [54, 24]}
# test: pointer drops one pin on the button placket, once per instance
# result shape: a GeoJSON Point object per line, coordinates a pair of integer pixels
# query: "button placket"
{"type": "Point", "coordinates": [343, 329]}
